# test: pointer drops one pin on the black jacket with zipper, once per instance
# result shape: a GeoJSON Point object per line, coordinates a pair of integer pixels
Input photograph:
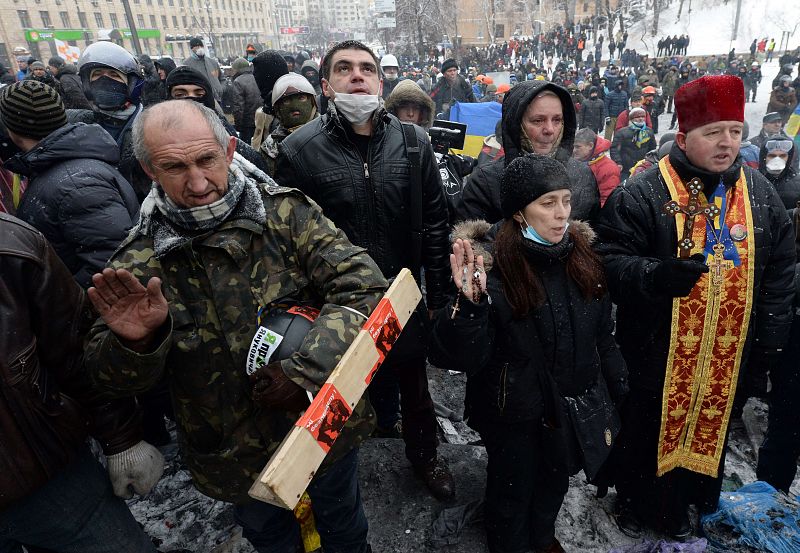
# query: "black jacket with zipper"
{"type": "Point", "coordinates": [568, 336]}
{"type": "Point", "coordinates": [369, 198]}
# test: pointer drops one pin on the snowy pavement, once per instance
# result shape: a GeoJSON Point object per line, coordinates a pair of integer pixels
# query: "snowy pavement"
{"type": "Point", "coordinates": [399, 509]}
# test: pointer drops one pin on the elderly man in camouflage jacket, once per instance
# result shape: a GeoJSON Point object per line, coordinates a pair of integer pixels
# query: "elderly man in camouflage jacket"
{"type": "Point", "coordinates": [217, 242]}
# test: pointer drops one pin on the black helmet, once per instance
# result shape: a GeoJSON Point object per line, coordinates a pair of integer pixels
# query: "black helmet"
{"type": "Point", "coordinates": [108, 54]}
{"type": "Point", "coordinates": [288, 324]}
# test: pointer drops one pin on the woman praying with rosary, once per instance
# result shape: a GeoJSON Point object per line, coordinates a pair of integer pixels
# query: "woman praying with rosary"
{"type": "Point", "coordinates": [531, 326]}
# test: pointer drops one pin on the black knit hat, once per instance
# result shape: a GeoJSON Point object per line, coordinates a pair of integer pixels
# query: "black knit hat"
{"type": "Point", "coordinates": [32, 109]}
{"type": "Point", "coordinates": [268, 67]}
{"type": "Point", "coordinates": [196, 41]}
{"type": "Point", "coordinates": [449, 63]}
{"type": "Point", "coordinates": [528, 177]}
{"type": "Point", "coordinates": [186, 75]}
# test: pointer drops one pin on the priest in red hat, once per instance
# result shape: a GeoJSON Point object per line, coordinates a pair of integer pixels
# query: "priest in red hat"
{"type": "Point", "coordinates": [699, 257]}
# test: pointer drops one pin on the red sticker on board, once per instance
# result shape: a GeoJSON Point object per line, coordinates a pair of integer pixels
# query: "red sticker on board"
{"type": "Point", "coordinates": [326, 416]}
{"type": "Point", "coordinates": [384, 327]}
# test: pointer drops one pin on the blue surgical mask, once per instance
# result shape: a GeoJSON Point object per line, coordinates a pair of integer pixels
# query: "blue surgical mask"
{"type": "Point", "coordinates": [530, 233]}
{"type": "Point", "coordinates": [108, 93]}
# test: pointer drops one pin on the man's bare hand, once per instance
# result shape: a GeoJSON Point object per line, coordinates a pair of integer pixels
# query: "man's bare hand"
{"type": "Point", "coordinates": [132, 312]}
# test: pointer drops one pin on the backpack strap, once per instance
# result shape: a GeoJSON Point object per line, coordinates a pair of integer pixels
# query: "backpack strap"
{"type": "Point", "coordinates": [414, 157]}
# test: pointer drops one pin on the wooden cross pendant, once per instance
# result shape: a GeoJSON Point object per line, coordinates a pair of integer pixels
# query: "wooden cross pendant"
{"type": "Point", "coordinates": [691, 210]}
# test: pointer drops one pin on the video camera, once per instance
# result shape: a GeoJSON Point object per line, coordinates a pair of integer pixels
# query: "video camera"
{"type": "Point", "coordinates": [447, 135]}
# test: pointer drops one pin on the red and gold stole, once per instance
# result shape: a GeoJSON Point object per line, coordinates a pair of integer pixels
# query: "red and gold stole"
{"type": "Point", "coordinates": [708, 332]}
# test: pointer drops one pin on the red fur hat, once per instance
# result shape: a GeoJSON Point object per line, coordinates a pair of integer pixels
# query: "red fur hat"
{"type": "Point", "coordinates": [709, 99]}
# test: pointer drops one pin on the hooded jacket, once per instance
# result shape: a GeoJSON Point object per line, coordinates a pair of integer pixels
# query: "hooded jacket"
{"type": "Point", "coordinates": [593, 114]}
{"type": "Point", "coordinates": [786, 183]}
{"type": "Point", "coordinates": [71, 88]}
{"type": "Point", "coordinates": [604, 169]}
{"type": "Point", "coordinates": [408, 92]}
{"type": "Point", "coordinates": [481, 197]}
{"type": "Point", "coordinates": [76, 198]}
{"type": "Point", "coordinates": [311, 65]}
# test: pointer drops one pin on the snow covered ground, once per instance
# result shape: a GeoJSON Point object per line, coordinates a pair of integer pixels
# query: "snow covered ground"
{"type": "Point", "coordinates": [400, 511]}
{"type": "Point", "coordinates": [709, 25]}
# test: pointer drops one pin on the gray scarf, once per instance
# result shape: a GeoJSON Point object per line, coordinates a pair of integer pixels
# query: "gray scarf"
{"type": "Point", "coordinates": [171, 226]}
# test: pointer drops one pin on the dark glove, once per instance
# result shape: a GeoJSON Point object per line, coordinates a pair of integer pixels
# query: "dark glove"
{"type": "Point", "coordinates": [273, 390]}
{"type": "Point", "coordinates": [676, 277]}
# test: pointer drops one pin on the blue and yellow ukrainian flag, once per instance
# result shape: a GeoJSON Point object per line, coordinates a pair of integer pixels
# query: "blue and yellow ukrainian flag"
{"type": "Point", "coordinates": [793, 126]}
{"type": "Point", "coordinates": [480, 119]}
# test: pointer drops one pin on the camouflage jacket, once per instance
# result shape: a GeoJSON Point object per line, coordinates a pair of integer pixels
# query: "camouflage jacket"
{"type": "Point", "coordinates": [215, 284]}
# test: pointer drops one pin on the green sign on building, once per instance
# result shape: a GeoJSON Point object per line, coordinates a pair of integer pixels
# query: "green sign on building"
{"type": "Point", "coordinates": [39, 35]}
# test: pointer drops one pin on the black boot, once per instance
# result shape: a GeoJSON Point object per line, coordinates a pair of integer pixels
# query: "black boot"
{"type": "Point", "coordinates": [438, 478]}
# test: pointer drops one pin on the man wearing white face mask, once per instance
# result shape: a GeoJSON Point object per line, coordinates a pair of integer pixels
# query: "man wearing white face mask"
{"type": "Point", "coordinates": [774, 164]}
{"type": "Point", "coordinates": [200, 61]}
{"type": "Point", "coordinates": [354, 161]}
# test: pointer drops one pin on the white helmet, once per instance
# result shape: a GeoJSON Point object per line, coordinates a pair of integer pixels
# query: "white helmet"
{"type": "Point", "coordinates": [389, 61]}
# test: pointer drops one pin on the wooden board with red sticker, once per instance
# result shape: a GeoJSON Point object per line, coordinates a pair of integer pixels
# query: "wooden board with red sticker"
{"type": "Point", "coordinates": [293, 465]}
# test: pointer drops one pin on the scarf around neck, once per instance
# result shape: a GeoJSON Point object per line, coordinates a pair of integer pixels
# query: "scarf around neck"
{"type": "Point", "coordinates": [172, 226]}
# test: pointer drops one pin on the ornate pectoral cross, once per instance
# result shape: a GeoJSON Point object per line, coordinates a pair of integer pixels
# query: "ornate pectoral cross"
{"type": "Point", "coordinates": [719, 267]}
{"type": "Point", "coordinates": [691, 210]}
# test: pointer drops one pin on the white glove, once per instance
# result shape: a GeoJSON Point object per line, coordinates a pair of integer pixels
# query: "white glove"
{"type": "Point", "coordinates": [138, 467]}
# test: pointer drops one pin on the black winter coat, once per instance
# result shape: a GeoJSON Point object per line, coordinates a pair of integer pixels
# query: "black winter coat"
{"type": "Point", "coordinates": [635, 233]}
{"type": "Point", "coordinates": [481, 196]}
{"type": "Point", "coordinates": [786, 183]}
{"type": "Point", "coordinates": [616, 101]}
{"type": "Point", "coordinates": [516, 367]}
{"type": "Point", "coordinates": [593, 114]}
{"type": "Point", "coordinates": [246, 100]}
{"type": "Point", "coordinates": [443, 93]}
{"type": "Point", "coordinates": [369, 198]}
{"type": "Point", "coordinates": [71, 88]}
{"type": "Point", "coordinates": [76, 198]}
{"type": "Point", "coordinates": [625, 152]}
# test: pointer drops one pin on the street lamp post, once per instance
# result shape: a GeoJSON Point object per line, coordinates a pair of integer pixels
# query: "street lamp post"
{"type": "Point", "coordinates": [134, 35]}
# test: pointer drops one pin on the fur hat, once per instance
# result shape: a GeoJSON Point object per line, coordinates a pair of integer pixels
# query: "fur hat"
{"type": "Point", "coordinates": [709, 99]}
{"type": "Point", "coordinates": [449, 63]}
{"type": "Point", "coordinates": [529, 177]}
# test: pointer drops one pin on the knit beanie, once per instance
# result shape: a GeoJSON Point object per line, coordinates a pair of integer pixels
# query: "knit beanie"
{"type": "Point", "coordinates": [527, 178]}
{"type": "Point", "coordinates": [195, 42]}
{"type": "Point", "coordinates": [268, 67]}
{"type": "Point", "coordinates": [239, 65]}
{"type": "Point", "coordinates": [186, 75]}
{"type": "Point", "coordinates": [449, 63]}
{"type": "Point", "coordinates": [37, 65]}
{"type": "Point", "coordinates": [31, 109]}
{"type": "Point", "coordinates": [56, 62]}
